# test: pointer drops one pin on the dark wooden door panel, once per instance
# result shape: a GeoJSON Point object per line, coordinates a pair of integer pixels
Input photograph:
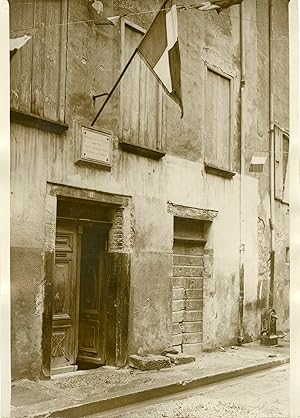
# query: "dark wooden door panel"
{"type": "Point", "coordinates": [65, 289]}
{"type": "Point", "coordinates": [80, 296]}
{"type": "Point", "coordinates": [91, 346]}
{"type": "Point", "coordinates": [89, 339]}
{"type": "Point", "coordinates": [62, 286]}
{"type": "Point", "coordinates": [117, 307]}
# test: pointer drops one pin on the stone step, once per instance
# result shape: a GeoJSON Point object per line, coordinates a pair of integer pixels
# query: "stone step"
{"type": "Point", "coordinates": [181, 358]}
{"type": "Point", "coordinates": [150, 362]}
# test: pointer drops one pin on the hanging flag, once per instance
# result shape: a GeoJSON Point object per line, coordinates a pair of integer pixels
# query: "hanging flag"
{"type": "Point", "coordinates": [160, 50]}
{"type": "Point", "coordinates": [217, 4]}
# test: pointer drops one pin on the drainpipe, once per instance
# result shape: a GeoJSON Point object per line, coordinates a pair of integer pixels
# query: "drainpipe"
{"type": "Point", "coordinates": [242, 177]}
{"type": "Point", "coordinates": [272, 173]}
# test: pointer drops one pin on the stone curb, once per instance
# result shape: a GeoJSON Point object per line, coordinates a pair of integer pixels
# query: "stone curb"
{"type": "Point", "coordinates": [130, 398]}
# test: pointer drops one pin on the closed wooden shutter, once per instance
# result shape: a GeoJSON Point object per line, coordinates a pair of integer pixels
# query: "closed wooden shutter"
{"type": "Point", "coordinates": [285, 150]}
{"type": "Point", "coordinates": [218, 119]}
{"type": "Point", "coordinates": [38, 69]}
{"type": "Point", "coordinates": [278, 147]}
{"type": "Point", "coordinates": [141, 97]}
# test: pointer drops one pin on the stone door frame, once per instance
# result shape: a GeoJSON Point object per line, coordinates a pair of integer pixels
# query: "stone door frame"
{"type": "Point", "coordinates": [119, 257]}
{"type": "Point", "coordinates": [207, 216]}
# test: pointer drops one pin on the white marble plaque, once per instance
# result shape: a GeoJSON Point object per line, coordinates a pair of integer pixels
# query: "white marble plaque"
{"type": "Point", "coordinates": [95, 146]}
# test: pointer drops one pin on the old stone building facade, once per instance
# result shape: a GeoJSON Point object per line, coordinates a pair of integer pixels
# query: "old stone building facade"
{"type": "Point", "coordinates": [161, 235]}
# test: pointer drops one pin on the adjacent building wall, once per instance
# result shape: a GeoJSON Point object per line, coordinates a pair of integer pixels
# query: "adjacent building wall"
{"type": "Point", "coordinates": [280, 71]}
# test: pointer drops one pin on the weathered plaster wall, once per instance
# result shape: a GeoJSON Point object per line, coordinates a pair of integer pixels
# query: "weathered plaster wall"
{"type": "Point", "coordinates": [27, 240]}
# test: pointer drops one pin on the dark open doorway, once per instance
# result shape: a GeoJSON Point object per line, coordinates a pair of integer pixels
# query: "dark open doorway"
{"type": "Point", "coordinates": [92, 321]}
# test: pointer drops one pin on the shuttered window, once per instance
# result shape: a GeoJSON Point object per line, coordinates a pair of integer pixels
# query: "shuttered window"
{"type": "Point", "coordinates": [38, 69]}
{"type": "Point", "coordinates": [281, 164]}
{"type": "Point", "coordinates": [141, 96]}
{"type": "Point", "coordinates": [218, 110]}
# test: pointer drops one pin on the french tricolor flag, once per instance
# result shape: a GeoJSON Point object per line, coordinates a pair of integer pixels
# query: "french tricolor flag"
{"type": "Point", "coordinates": [160, 50]}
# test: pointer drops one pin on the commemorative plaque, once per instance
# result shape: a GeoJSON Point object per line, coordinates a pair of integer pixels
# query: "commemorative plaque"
{"type": "Point", "coordinates": [95, 147]}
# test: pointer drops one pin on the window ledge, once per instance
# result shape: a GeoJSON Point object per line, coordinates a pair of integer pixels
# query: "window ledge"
{"type": "Point", "coordinates": [140, 150]}
{"type": "Point", "coordinates": [38, 122]}
{"type": "Point", "coordinates": [190, 240]}
{"type": "Point", "coordinates": [221, 172]}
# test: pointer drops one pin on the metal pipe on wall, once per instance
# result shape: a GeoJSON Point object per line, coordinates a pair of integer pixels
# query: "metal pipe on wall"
{"type": "Point", "coordinates": [242, 177]}
{"type": "Point", "coordinates": [272, 173]}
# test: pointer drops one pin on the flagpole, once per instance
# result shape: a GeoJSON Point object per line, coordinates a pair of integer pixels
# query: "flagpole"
{"type": "Point", "coordinates": [114, 87]}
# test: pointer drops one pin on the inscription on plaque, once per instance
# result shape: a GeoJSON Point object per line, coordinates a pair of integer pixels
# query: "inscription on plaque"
{"type": "Point", "coordinates": [95, 147]}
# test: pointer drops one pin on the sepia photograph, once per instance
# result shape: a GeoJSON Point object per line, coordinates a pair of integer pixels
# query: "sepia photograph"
{"type": "Point", "coordinates": [151, 209]}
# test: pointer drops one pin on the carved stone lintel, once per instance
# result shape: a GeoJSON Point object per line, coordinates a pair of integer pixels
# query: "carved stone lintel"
{"type": "Point", "coordinates": [192, 213]}
{"type": "Point", "coordinates": [57, 189]}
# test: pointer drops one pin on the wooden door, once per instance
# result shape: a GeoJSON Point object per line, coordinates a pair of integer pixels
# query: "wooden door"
{"type": "Point", "coordinates": [65, 299]}
{"type": "Point", "coordinates": [92, 301]}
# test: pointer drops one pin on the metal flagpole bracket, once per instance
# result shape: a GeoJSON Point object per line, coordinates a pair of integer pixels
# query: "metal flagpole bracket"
{"type": "Point", "coordinates": [99, 95]}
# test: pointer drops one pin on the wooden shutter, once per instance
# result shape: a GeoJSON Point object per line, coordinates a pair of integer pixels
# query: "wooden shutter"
{"type": "Point", "coordinates": [285, 149]}
{"type": "Point", "coordinates": [141, 96]}
{"type": "Point", "coordinates": [278, 147]}
{"type": "Point", "coordinates": [218, 119]}
{"type": "Point", "coordinates": [38, 69]}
